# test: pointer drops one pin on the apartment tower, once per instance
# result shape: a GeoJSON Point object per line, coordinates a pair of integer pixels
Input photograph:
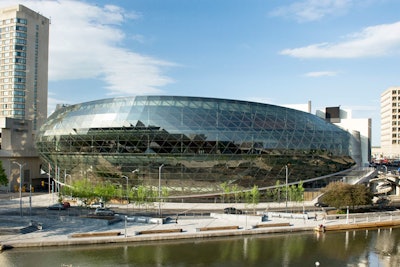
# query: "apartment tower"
{"type": "Point", "coordinates": [24, 46]}
{"type": "Point", "coordinates": [390, 122]}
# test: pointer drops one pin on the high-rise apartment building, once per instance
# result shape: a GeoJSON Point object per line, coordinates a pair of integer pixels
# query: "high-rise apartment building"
{"type": "Point", "coordinates": [24, 46]}
{"type": "Point", "coordinates": [24, 49]}
{"type": "Point", "coordinates": [390, 122]}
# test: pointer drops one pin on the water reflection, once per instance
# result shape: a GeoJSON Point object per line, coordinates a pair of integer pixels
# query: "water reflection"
{"type": "Point", "coordinates": [353, 248]}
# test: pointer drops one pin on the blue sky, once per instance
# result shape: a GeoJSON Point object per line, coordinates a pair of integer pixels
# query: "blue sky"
{"type": "Point", "coordinates": [330, 52]}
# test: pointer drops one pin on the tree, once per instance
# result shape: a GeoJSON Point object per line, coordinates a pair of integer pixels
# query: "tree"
{"type": "Point", "coordinates": [341, 195]}
{"type": "Point", "coordinates": [253, 196]}
{"type": "Point", "coordinates": [225, 188]}
{"type": "Point", "coordinates": [296, 192]}
{"type": "Point", "coordinates": [3, 176]}
{"type": "Point", "coordinates": [236, 193]}
{"type": "Point", "coordinates": [106, 191]}
{"type": "Point", "coordinates": [141, 195]}
{"type": "Point", "coordinates": [277, 191]}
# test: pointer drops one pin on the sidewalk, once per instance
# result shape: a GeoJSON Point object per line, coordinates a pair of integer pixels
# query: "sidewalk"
{"type": "Point", "coordinates": [58, 230]}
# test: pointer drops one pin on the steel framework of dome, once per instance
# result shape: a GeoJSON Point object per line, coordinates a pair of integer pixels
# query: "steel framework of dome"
{"type": "Point", "coordinates": [197, 143]}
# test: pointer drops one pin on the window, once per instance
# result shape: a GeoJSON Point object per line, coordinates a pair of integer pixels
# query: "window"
{"type": "Point", "coordinates": [18, 112]}
{"type": "Point", "coordinates": [22, 21]}
{"type": "Point", "coordinates": [19, 106]}
{"type": "Point", "coordinates": [19, 67]}
{"type": "Point", "coordinates": [20, 60]}
{"type": "Point", "coordinates": [20, 47]}
{"type": "Point", "coordinates": [19, 99]}
{"type": "Point", "coordinates": [19, 93]}
{"type": "Point", "coordinates": [19, 80]}
{"type": "Point", "coordinates": [20, 54]}
{"type": "Point", "coordinates": [20, 34]}
{"type": "Point", "coordinates": [19, 86]}
{"type": "Point", "coordinates": [20, 28]}
{"type": "Point", "coordinates": [20, 41]}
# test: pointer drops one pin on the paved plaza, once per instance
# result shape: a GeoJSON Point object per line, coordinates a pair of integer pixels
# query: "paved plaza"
{"type": "Point", "coordinates": [59, 227]}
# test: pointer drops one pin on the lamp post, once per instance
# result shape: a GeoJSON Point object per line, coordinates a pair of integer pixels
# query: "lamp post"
{"type": "Point", "coordinates": [159, 188]}
{"type": "Point", "coordinates": [20, 186]}
{"type": "Point", "coordinates": [127, 199]}
{"type": "Point", "coordinates": [286, 175]}
{"type": "Point", "coordinates": [127, 192]}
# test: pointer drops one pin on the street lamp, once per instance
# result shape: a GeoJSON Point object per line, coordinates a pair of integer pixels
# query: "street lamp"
{"type": "Point", "coordinates": [127, 192]}
{"type": "Point", "coordinates": [127, 198]}
{"type": "Point", "coordinates": [127, 187]}
{"type": "Point", "coordinates": [286, 175]}
{"type": "Point", "coordinates": [159, 188]}
{"type": "Point", "coordinates": [20, 186]}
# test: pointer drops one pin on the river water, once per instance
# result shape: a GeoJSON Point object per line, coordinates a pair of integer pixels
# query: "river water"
{"type": "Point", "coordinates": [352, 248]}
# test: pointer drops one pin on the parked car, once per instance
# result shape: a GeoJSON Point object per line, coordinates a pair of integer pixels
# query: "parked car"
{"type": "Point", "coordinates": [103, 212]}
{"type": "Point", "coordinates": [232, 210]}
{"type": "Point", "coordinates": [57, 206]}
{"type": "Point", "coordinates": [320, 204]}
{"type": "Point", "coordinates": [96, 205]}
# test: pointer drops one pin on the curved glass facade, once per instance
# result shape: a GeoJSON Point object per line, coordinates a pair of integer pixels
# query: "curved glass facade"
{"type": "Point", "coordinates": [191, 144]}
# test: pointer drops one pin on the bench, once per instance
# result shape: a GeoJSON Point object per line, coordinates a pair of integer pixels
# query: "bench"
{"type": "Point", "coordinates": [95, 234]}
{"type": "Point", "coordinates": [271, 225]}
{"type": "Point", "coordinates": [217, 228]}
{"type": "Point", "coordinates": [159, 231]}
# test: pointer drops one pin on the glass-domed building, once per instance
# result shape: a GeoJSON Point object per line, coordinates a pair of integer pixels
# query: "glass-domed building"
{"type": "Point", "coordinates": [191, 144]}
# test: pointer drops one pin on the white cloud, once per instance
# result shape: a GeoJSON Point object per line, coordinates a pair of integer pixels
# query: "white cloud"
{"type": "Point", "coordinates": [372, 41]}
{"type": "Point", "coordinates": [311, 10]}
{"type": "Point", "coordinates": [85, 43]}
{"type": "Point", "coordinates": [320, 73]}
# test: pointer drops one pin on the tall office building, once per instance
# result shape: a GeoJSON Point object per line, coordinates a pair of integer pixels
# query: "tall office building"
{"type": "Point", "coordinates": [24, 46]}
{"type": "Point", "coordinates": [390, 122]}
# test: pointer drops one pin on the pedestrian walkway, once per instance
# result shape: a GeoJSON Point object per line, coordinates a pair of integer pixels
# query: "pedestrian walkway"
{"type": "Point", "coordinates": [63, 230]}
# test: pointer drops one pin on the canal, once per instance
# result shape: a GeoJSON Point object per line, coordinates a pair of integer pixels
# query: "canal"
{"type": "Point", "coordinates": [379, 247]}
